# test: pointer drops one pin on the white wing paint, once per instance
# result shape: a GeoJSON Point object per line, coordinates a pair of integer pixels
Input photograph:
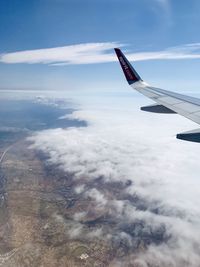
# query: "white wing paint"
{"type": "Point", "coordinates": [166, 101]}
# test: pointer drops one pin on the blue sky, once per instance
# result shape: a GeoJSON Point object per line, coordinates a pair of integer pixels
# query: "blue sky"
{"type": "Point", "coordinates": [139, 26]}
{"type": "Point", "coordinates": [67, 46]}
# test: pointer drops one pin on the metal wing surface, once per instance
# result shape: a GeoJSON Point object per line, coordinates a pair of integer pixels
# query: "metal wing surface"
{"type": "Point", "coordinates": [166, 101]}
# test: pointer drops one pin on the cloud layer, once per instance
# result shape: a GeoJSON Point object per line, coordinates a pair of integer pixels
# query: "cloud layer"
{"type": "Point", "coordinates": [138, 177]}
{"type": "Point", "coordinates": [91, 53]}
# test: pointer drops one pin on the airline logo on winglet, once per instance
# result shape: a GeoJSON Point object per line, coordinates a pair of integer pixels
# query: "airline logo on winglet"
{"type": "Point", "coordinates": [126, 68]}
{"type": "Point", "coordinates": [129, 72]}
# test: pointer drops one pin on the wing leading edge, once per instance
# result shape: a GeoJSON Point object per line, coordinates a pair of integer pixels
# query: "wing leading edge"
{"type": "Point", "coordinates": [167, 101]}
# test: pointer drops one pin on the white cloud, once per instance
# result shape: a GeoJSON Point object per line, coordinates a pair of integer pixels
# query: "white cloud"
{"type": "Point", "coordinates": [78, 216]}
{"type": "Point", "coordinates": [79, 189]}
{"type": "Point", "coordinates": [99, 198]}
{"type": "Point", "coordinates": [91, 53]}
{"type": "Point", "coordinates": [95, 233]}
{"type": "Point", "coordinates": [75, 230]}
{"type": "Point", "coordinates": [149, 184]}
{"type": "Point", "coordinates": [71, 54]}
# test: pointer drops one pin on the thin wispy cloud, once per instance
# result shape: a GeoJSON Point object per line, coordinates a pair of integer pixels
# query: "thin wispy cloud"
{"type": "Point", "coordinates": [166, 10]}
{"type": "Point", "coordinates": [73, 54]}
{"type": "Point", "coordinates": [164, 3]}
{"type": "Point", "coordinates": [93, 53]}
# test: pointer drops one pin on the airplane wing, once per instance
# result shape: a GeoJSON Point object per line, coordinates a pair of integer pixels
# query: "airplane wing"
{"type": "Point", "coordinates": [166, 101]}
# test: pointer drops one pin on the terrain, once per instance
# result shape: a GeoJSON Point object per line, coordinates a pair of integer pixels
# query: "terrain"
{"type": "Point", "coordinates": [45, 217]}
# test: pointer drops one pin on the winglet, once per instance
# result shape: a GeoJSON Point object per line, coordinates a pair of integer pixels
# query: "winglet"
{"type": "Point", "coordinates": [129, 72]}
